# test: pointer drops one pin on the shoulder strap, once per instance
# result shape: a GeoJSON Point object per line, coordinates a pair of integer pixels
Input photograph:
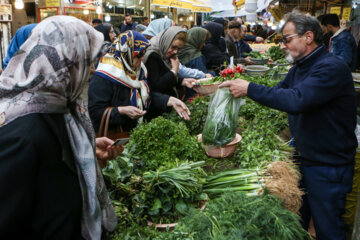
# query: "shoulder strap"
{"type": "Point", "coordinates": [102, 123]}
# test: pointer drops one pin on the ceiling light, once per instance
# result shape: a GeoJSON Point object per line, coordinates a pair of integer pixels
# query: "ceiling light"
{"type": "Point", "coordinates": [19, 4]}
{"type": "Point", "coordinates": [107, 18]}
{"type": "Point", "coordinates": [86, 11]}
{"type": "Point", "coordinates": [98, 10]}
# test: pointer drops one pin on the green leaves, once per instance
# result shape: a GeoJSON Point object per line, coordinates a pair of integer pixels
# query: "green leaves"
{"type": "Point", "coordinates": [163, 143]}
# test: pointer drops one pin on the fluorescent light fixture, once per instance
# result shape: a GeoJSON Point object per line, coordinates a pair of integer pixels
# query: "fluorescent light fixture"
{"type": "Point", "coordinates": [166, 16]}
{"type": "Point", "coordinates": [140, 1]}
{"type": "Point", "coordinates": [19, 4]}
{"type": "Point", "coordinates": [110, 6]}
{"type": "Point", "coordinates": [181, 19]}
{"type": "Point", "coordinates": [132, 6]}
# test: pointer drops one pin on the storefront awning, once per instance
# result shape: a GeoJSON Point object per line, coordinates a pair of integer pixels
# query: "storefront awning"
{"type": "Point", "coordinates": [194, 6]}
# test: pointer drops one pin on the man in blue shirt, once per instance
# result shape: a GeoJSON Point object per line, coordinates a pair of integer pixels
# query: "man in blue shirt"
{"type": "Point", "coordinates": [342, 43]}
{"type": "Point", "coordinates": [318, 95]}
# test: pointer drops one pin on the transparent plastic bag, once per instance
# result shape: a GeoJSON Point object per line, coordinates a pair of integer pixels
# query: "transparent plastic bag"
{"type": "Point", "coordinates": [222, 118]}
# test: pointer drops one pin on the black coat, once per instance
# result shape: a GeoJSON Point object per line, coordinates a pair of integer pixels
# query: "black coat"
{"type": "Point", "coordinates": [40, 196]}
{"type": "Point", "coordinates": [214, 51]}
{"type": "Point", "coordinates": [104, 93]}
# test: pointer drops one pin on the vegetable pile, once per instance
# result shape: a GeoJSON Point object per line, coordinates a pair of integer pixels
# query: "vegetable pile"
{"type": "Point", "coordinates": [162, 142]}
{"type": "Point", "coordinates": [237, 216]}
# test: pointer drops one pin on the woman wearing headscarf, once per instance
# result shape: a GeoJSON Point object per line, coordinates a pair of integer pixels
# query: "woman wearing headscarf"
{"type": "Point", "coordinates": [155, 28]}
{"type": "Point", "coordinates": [190, 55]}
{"type": "Point", "coordinates": [51, 186]}
{"type": "Point", "coordinates": [108, 31]}
{"type": "Point", "coordinates": [215, 56]}
{"type": "Point", "coordinates": [163, 64]}
{"type": "Point", "coordinates": [120, 82]}
{"type": "Point", "coordinates": [20, 37]}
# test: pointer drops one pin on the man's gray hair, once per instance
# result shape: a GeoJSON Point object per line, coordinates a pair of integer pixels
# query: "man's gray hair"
{"type": "Point", "coordinates": [304, 23]}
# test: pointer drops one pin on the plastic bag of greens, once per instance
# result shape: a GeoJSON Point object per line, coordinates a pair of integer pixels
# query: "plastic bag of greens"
{"type": "Point", "coordinates": [222, 118]}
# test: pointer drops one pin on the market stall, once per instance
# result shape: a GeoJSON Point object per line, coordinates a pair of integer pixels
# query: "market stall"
{"type": "Point", "coordinates": [174, 175]}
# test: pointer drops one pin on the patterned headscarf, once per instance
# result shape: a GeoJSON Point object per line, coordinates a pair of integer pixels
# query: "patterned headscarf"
{"type": "Point", "coordinates": [157, 26]}
{"type": "Point", "coordinates": [117, 67]}
{"type": "Point", "coordinates": [47, 75]}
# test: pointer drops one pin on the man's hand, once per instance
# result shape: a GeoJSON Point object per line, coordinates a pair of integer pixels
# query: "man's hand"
{"type": "Point", "coordinates": [238, 87]}
{"type": "Point", "coordinates": [175, 64]}
{"type": "Point", "coordinates": [188, 82]}
{"type": "Point", "coordinates": [248, 61]}
{"type": "Point", "coordinates": [105, 151]}
{"type": "Point", "coordinates": [132, 112]}
{"type": "Point", "coordinates": [259, 39]}
{"type": "Point", "coordinates": [179, 107]}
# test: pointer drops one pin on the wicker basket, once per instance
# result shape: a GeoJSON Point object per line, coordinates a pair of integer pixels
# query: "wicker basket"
{"type": "Point", "coordinates": [206, 89]}
{"type": "Point", "coordinates": [221, 151]}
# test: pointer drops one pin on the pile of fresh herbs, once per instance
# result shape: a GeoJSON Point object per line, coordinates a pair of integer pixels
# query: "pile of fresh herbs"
{"type": "Point", "coordinates": [276, 54]}
{"type": "Point", "coordinates": [235, 216]}
{"type": "Point", "coordinates": [198, 107]}
{"type": "Point", "coordinates": [163, 142]}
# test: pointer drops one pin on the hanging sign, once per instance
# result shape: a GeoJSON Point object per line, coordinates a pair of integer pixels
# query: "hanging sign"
{"type": "Point", "coordinates": [52, 3]}
{"type": "Point", "coordinates": [346, 13]}
{"type": "Point", "coordinates": [335, 10]}
{"type": "Point", "coordinates": [173, 3]}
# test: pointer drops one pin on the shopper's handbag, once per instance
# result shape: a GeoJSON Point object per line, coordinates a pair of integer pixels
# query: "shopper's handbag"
{"type": "Point", "coordinates": [104, 127]}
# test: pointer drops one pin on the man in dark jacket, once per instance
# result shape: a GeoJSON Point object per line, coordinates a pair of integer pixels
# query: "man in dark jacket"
{"type": "Point", "coordinates": [318, 95]}
{"type": "Point", "coordinates": [326, 34]}
{"type": "Point", "coordinates": [236, 45]}
{"type": "Point", "coordinates": [342, 43]}
{"type": "Point", "coordinates": [128, 24]}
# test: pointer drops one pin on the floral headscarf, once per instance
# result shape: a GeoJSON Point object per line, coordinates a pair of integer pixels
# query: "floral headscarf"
{"type": "Point", "coordinates": [117, 66]}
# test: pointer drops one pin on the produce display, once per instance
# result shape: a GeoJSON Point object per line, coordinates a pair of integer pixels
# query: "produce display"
{"type": "Point", "coordinates": [256, 55]}
{"type": "Point", "coordinates": [164, 176]}
{"type": "Point", "coordinates": [275, 53]}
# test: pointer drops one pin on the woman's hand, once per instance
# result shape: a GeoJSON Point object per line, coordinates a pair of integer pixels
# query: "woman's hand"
{"type": "Point", "coordinates": [188, 82]}
{"type": "Point", "coordinates": [175, 64]}
{"type": "Point", "coordinates": [131, 111]}
{"type": "Point", "coordinates": [208, 75]}
{"type": "Point", "coordinates": [105, 151]}
{"type": "Point", "coordinates": [179, 107]}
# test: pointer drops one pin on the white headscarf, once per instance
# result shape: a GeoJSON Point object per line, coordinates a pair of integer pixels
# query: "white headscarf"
{"type": "Point", "coordinates": [47, 75]}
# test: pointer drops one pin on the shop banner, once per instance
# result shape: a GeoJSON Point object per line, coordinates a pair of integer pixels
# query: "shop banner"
{"type": "Point", "coordinates": [52, 3]}
{"type": "Point", "coordinates": [173, 3]}
{"type": "Point", "coordinates": [335, 10]}
{"type": "Point", "coordinates": [346, 13]}
{"type": "Point", "coordinates": [201, 9]}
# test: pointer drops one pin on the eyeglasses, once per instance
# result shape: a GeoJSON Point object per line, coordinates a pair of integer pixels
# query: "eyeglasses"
{"type": "Point", "coordinates": [287, 39]}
